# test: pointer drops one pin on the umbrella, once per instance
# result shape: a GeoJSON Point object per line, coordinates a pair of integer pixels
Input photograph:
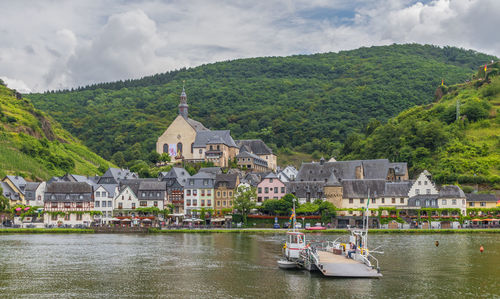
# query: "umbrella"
{"type": "Point", "coordinates": [18, 209]}
{"type": "Point", "coordinates": [146, 220]}
{"type": "Point", "coordinates": [477, 220]}
{"type": "Point", "coordinates": [126, 220]}
{"type": "Point", "coordinates": [115, 219]}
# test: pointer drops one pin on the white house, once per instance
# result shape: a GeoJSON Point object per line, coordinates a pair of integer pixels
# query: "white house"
{"type": "Point", "coordinates": [423, 186]}
{"type": "Point", "coordinates": [125, 201]}
{"type": "Point", "coordinates": [288, 174]}
{"type": "Point", "coordinates": [34, 193]}
{"type": "Point", "coordinates": [103, 202]}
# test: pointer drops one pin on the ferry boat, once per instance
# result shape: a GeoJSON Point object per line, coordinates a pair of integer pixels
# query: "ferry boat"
{"type": "Point", "coordinates": [338, 258]}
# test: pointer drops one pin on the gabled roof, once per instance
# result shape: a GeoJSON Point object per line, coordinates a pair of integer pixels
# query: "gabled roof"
{"type": "Point", "coordinates": [152, 185]}
{"type": "Point", "coordinates": [397, 189]}
{"type": "Point", "coordinates": [372, 169]}
{"type": "Point", "coordinates": [32, 186]}
{"type": "Point", "coordinates": [119, 174]}
{"type": "Point", "coordinates": [451, 191]}
{"type": "Point", "coordinates": [214, 137]}
{"type": "Point", "coordinates": [230, 179]}
{"type": "Point", "coordinates": [332, 181]}
{"type": "Point", "coordinates": [18, 181]}
{"type": "Point", "coordinates": [300, 189]}
{"type": "Point", "coordinates": [271, 175]}
{"type": "Point", "coordinates": [256, 146]}
{"type": "Point", "coordinates": [132, 184]}
{"type": "Point", "coordinates": [68, 187]}
{"type": "Point", "coordinates": [110, 188]}
{"type": "Point", "coordinates": [481, 197]}
{"type": "Point", "coordinates": [197, 126]}
{"type": "Point", "coordinates": [177, 173]}
{"type": "Point", "coordinates": [399, 167]}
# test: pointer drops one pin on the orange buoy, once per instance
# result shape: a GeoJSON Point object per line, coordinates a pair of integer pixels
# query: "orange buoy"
{"type": "Point", "coordinates": [481, 249]}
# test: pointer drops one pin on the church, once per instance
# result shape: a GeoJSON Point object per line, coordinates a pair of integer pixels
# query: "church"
{"type": "Point", "coordinates": [189, 140]}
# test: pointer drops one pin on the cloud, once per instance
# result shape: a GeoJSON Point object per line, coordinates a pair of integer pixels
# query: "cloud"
{"type": "Point", "coordinates": [18, 85]}
{"type": "Point", "coordinates": [68, 44]}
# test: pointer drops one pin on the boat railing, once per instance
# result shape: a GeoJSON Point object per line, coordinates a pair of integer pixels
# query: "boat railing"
{"type": "Point", "coordinates": [369, 260]}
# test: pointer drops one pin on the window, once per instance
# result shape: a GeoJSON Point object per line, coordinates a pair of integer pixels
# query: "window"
{"type": "Point", "coordinates": [224, 203]}
{"type": "Point", "coordinates": [110, 204]}
{"type": "Point", "coordinates": [383, 200]}
{"type": "Point", "coordinates": [79, 216]}
{"type": "Point", "coordinates": [218, 193]}
{"type": "Point", "coordinates": [266, 197]}
{"type": "Point", "coordinates": [275, 189]}
{"type": "Point", "coordinates": [98, 194]}
{"type": "Point", "coordinates": [230, 193]}
{"type": "Point", "coordinates": [266, 189]}
{"type": "Point", "coordinates": [428, 191]}
{"type": "Point", "coordinates": [66, 217]}
{"type": "Point", "coordinates": [218, 203]}
{"type": "Point", "coordinates": [454, 202]}
{"type": "Point", "coordinates": [361, 200]}
{"type": "Point", "coordinates": [133, 205]}
{"type": "Point", "coordinates": [471, 204]}
{"type": "Point", "coordinates": [195, 202]}
{"type": "Point", "coordinates": [282, 189]}
{"type": "Point", "coordinates": [97, 204]}
{"type": "Point", "coordinates": [259, 190]}
{"type": "Point", "coordinates": [143, 194]}
{"type": "Point", "coordinates": [158, 194]}
{"type": "Point", "coordinates": [209, 192]}
{"type": "Point", "coordinates": [53, 197]}
{"type": "Point", "coordinates": [195, 192]}
{"type": "Point", "coordinates": [188, 202]}
{"type": "Point", "coordinates": [202, 202]}
{"type": "Point", "coordinates": [426, 202]}
{"type": "Point", "coordinates": [401, 200]}
{"type": "Point", "coordinates": [425, 183]}
{"type": "Point", "coordinates": [155, 204]}
{"type": "Point", "coordinates": [443, 202]}
{"type": "Point", "coordinates": [202, 192]}
{"type": "Point", "coordinates": [224, 194]}
{"type": "Point", "coordinates": [417, 191]}
{"type": "Point", "coordinates": [351, 200]}
{"type": "Point", "coordinates": [374, 200]}
{"type": "Point", "coordinates": [393, 200]}
{"type": "Point", "coordinates": [53, 217]}
{"type": "Point", "coordinates": [200, 151]}
{"type": "Point", "coordinates": [120, 205]}
{"type": "Point", "coordinates": [209, 202]}
{"type": "Point", "coordinates": [179, 148]}
{"type": "Point", "coordinates": [482, 204]}
{"type": "Point", "coordinates": [192, 147]}
{"type": "Point", "coordinates": [188, 192]}
{"type": "Point", "coordinates": [81, 196]}
{"type": "Point", "coordinates": [417, 202]}
{"type": "Point", "coordinates": [419, 183]}
{"type": "Point", "coordinates": [165, 148]}
{"type": "Point", "coordinates": [143, 203]}
{"type": "Point", "coordinates": [67, 204]}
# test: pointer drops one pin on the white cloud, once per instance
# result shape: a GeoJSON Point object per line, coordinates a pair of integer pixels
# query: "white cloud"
{"type": "Point", "coordinates": [18, 85]}
{"type": "Point", "coordinates": [52, 45]}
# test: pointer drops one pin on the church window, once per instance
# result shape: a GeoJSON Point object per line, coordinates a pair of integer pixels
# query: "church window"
{"type": "Point", "coordinates": [192, 148]}
{"type": "Point", "coordinates": [218, 147]}
{"type": "Point", "coordinates": [165, 148]}
{"type": "Point", "coordinates": [179, 148]}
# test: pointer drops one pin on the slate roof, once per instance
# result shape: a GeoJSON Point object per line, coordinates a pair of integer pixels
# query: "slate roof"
{"type": "Point", "coordinates": [68, 187]}
{"type": "Point", "coordinates": [8, 192]}
{"type": "Point", "coordinates": [300, 189]}
{"type": "Point", "coordinates": [212, 170]}
{"type": "Point", "coordinates": [253, 178]}
{"type": "Point", "coordinates": [359, 188]}
{"type": "Point", "coordinates": [152, 185]}
{"type": "Point", "coordinates": [201, 180]}
{"type": "Point", "coordinates": [451, 191]}
{"type": "Point", "coordinates": [197, 126]}
{"type": "Point", "coordinates": [481, 197]}
{"type": "Point", "coordinates": [256, 146]}
{"type": "Point", "coordinates": [132, 184]}
{"type": "Point", "coordinates": [256, 159]}
{"type": "Point", "coordinates": [400, 168]}
{"type": "Point", "coordinates": [32, 186]}
{"type": "Point", "coordinates": [110, 188]}
{"type": "Point", "coordinates": [230, 179]}
{"type": "Point", "coordinates": [271, 175]}
{"type": "Point", "coordinates": [18, 181]}
{"type": "Point", "coordinates": [212, 137]}
{"type": "Point", "coordinates": [397, 189]}
{"type": "Point", "coordinates": [177, 173]}
{"type": "Point", "coordinates": [332, 181]}
{"type": "Point", "coordinates": [117, 174]}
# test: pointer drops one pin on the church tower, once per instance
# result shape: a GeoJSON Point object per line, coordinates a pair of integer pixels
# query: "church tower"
{"type": "Point", "coordinates": [183, 106]}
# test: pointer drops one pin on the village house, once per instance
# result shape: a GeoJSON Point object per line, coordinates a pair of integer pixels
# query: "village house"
{"type": "Point", "coordinates": [477, 200]}
{"type": "Point", "coordinates": [287, 174]}
{"type": "Point", "coordinates": [270, 188]}
{"type": "Point", "coordinates": [68, 203]}
{"type": "Point", "coordinates": [225, 187]}
{"type": "Point", "coordinates": [34, 193]}
{"type": "Point", "coordinates": [251, 162]}
{"type": "Point", "coordinates": [152, 193]}
{"type": "Point", "coordinates": [260, 149]}
{"type": "Point", "coordinates": [13, 189]}
{"type": "Point", "coordinates": [103, 202]}
{"type": "Point", "coordinates": [176, 180]}
{"type": "Point", "coordinates": [126, 201]}
{"type": "Point", "coordinates": [199, 193]}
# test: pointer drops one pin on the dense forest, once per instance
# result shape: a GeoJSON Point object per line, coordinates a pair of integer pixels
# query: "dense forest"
{"type": "Point", "coordinates": [303, 103]}
{"type": "Point", "coordinates": [456, 138]}
{"type": "Point", "coordinates": [35, 146]}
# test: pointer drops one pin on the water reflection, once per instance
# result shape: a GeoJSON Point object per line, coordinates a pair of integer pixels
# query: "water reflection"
{"type": "Point", "coordinates": [238, 266]}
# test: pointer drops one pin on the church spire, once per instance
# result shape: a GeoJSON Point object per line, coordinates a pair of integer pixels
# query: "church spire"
{"type": "Point", "coordinates": [183, 106]}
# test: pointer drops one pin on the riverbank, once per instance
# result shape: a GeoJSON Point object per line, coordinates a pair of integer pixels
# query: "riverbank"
{"type": "Point", "coordinates": [245, 231]}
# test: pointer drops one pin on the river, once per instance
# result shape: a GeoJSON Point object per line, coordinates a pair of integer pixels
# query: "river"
{"type": "Point", "coordinates": [238, 266]}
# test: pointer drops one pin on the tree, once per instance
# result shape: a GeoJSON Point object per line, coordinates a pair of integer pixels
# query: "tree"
{"type": "Point", "coordinates": [327, 211]}
{"type": "Point", "coordinates": [243, 202]}
{"type": "Point", "coordinates": [164, 157]}
{"type": "Point", "coordinates": [4, 202]}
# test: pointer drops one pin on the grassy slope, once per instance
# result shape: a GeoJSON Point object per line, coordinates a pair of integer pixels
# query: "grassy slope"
{"type": "Point", "coordinates": [22, 127]}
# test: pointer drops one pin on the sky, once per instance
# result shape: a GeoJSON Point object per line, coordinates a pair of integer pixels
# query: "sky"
{"type": "Point", "coordinates": [48, 44]}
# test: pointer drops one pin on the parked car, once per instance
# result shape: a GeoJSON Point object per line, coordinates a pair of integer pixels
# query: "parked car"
{"type": "Point", "coordinates": [298, 225]}
{"type": "Point", "coordinates": [286, 225]}
{"type": "Point", "coordinates": [308, 225]}
{"type": "Point", "coordinates": [276, 225]}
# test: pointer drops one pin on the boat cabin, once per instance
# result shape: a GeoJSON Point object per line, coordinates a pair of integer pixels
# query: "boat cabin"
{"type": "Point", "coordinates": [295, 242]}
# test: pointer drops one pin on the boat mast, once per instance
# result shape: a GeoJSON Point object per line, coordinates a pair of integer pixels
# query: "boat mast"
{"type": "Point", "coordinates": [293, 213]}
{"type": "Point", "coordinates": [365, 241]}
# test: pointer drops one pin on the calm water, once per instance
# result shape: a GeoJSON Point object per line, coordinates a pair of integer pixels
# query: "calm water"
{"type": "Point", "coordinates": [237, 266]}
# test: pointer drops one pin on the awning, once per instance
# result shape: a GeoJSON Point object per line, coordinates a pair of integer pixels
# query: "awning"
{"type": "Point", "coordinates": [125, 220]}
{"type": "Point", "coordinates": [490, 219]}
{"type": "Point", "coordinates": [146, 220]}
{"type": "Point", "coordinates": [218, 220]}
{"type": "Point", "coordinates": [115, 219]}
{"type": "Point", "coordinates": [475, 220]}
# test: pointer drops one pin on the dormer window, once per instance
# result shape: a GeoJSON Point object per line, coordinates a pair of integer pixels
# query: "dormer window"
{"type": "Point", "coordinates": [67, 197]}
{"type": "Point", "coordinates": [81, 196]}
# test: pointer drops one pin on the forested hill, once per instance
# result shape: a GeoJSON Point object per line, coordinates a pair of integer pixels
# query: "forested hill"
{"type": "Point", "coordinates": [308, 103]}
{"type": "Point", "coordinates": [430, 137]}
{"type": "Point", "coordinates": [35, 146]}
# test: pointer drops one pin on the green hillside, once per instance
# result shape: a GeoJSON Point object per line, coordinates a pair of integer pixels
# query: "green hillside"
{"type": "Point", "coordinates": [35, 146]}
{"type": "Point", "coordinates": [303, 103]}
{"type": "Point", "coordinates": [430, 137]}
